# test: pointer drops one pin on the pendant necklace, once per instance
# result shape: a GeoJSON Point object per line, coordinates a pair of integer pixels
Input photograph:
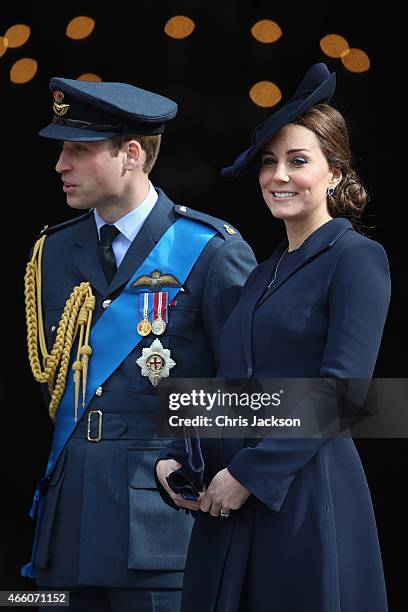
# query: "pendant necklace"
{"type": "Point", "coordinates": [276, 269]}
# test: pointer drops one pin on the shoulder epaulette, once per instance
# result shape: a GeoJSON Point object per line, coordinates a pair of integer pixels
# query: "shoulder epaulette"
{"type": "Point", "coordinates": [55, 228]}
{"type": "Point", "coordinates": [226, 230]}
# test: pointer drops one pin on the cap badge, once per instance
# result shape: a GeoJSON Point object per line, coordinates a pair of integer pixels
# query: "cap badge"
{"type": "Point", "coordinates": [155, 362]}
{"type": "Point", "coordinates": [155, 280]}
{"type": "Point", "coordinates": [59, 109]}
{"type": "Point", "coordinates": [229, 230]}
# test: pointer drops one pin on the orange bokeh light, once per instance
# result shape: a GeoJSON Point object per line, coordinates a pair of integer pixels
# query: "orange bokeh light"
{"type": "Point", "coordinates": [334, 45]}
{"type": "Point", "coordinates": [266, 31]}
{"type": "Point", "coordinates": [17, 35]}
{"type": "Point", "coordinates": [23, 70]}
{"type": "Point", "coordinates": [265, 94]}
{"type": "Point", "coordinates": [89, 76]}
{"type": "Point", "coordinates": [179, 27]}
{"type": "Point", "coordinates": [3, 46]}
{"type": "Point", "coordinates": [80, 27]}
{"type": "Point", "coordinates": [356, 60]}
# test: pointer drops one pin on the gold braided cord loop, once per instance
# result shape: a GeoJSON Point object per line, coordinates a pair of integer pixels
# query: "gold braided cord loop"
{"type": "Point", "coordinates": [77, 316]}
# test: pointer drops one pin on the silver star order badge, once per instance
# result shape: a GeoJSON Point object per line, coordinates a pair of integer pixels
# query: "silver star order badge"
{"type": "Point", "coordinates": [155, 362]}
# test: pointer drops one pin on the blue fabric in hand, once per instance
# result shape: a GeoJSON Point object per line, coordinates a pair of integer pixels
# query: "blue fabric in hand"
{"type": "Point", "coordinates": [188, 480]}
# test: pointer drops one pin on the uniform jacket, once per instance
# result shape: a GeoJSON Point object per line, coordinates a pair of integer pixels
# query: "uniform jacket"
{"type": "Point", "coordinates": [103, 521]}
{"type": "Point", "coordinates": [306, 538]}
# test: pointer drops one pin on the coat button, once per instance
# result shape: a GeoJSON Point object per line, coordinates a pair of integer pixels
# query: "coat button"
{"type": "Point", "coordinates": [53, 328]}
{"type": "Point", "coordinates": [99, 391]}
{"type": "Point", "coordinates": [106, 303]}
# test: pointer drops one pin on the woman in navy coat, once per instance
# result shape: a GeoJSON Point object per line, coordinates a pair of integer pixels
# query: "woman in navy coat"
{"type": "Point", "coordinates": [300, 534]}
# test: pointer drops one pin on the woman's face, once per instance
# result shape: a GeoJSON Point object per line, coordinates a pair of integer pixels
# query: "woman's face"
{"type": "Point", "coordinates": [295, 175]}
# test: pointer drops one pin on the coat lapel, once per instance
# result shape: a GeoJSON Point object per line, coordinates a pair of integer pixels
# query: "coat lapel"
{"type": "Point", "coordinates": [250, 301]}
{"type": "Point", "coordinates": [323, 238]}
{"type": "Point", "coordinates": [318, 242]}
{"type": "Point", "coordinates": [87, 260]}
{"type": "Point", "coordinates": [283, 276]}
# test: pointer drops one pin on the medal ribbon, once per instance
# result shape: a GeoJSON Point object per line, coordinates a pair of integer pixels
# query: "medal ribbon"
{"type": "Point", "coordinates": [160, 306]}
{"type": "Point", "coordinates": [164, 311]}
{"type": "Point", "coordinates": [145, 305]}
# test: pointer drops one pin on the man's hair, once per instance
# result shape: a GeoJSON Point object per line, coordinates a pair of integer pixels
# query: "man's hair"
{"type": "Point", "coordinates": [149, 144]}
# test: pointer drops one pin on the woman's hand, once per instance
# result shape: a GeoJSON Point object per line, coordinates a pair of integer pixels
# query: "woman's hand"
{"type": "Point", "coordinates": [224, 493]}
{"type": "Point", "coordinates": [163, 468]}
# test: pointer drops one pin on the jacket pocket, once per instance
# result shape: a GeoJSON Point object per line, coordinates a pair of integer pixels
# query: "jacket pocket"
{"type": "Point", "coordinates": [158, 536]}
{"type": "Point", "coordinates": [181, 322]}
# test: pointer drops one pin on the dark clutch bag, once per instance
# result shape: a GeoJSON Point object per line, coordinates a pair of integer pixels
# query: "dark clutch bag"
{"type": "Point", "coordinates": [188, 480]}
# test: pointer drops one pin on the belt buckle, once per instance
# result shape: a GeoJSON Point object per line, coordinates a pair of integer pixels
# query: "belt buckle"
{"type": "Point", "coordinates": [88, 435]}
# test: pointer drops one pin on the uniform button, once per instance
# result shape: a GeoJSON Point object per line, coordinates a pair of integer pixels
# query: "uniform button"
{"type": "Point", "coordinates": [99, 391]}
{"type": "Point", "coordinates": [183, 209]}
{"type": "Point", "coordinates": [53, 328]}
{"type": "Point", "coordinates": [106, 303]}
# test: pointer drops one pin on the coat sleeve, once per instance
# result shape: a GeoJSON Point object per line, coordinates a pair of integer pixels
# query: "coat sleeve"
{"type": "Point", "coordinates": [227, 273]}
{"type": "Point", "coordinates": [358, 305]}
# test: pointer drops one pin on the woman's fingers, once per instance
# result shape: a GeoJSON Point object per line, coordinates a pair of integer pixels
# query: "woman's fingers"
{"type": "Point", "coordinates": [215, 509]}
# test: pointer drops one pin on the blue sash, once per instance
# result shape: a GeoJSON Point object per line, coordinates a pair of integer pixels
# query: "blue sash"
{"type": "Point", "coordinates": [176, 252]}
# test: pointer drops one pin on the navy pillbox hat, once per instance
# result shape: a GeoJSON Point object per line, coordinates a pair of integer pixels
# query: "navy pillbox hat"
{"type": "Point", "coordinates": [318, 85]}
{"type": "Point", "coordinates": [87, 110]}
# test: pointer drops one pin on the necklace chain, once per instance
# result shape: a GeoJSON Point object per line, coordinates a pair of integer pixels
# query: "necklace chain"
{"type": "Point", "coordinates": [277, 266]}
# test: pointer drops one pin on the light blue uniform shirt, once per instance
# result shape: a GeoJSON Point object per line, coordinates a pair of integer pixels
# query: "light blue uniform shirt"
{"type": "Point", "coordinates": [129, 225]}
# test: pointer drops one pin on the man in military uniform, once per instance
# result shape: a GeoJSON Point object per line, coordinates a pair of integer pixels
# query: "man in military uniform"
{"type": "Point", "coordinates": [135, 290]}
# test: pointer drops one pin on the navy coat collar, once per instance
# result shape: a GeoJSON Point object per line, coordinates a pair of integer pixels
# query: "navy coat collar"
{"type": "Point", "coordinates": [322, 239]}
{"type": "Point", "coordinates": [159, 220]}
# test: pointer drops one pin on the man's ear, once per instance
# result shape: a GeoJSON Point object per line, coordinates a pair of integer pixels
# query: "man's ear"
{"type": "Point", "coordinates": [135, 156]}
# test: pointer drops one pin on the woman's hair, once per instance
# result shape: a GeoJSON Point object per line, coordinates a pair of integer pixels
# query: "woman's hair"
{"type": "Point", "coordinates": [330, 128]}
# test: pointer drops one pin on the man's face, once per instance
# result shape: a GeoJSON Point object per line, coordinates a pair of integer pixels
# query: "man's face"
{"type": "Point", "coordinates": [91, 177]}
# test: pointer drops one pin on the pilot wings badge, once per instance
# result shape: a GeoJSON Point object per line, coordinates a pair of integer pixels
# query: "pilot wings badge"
{"type": "Point", "coordinates": [155, 280]}
{"type": "Point", "coordinates": [59, 108]}
{"type": "Point", "coordinates": [155, 362]}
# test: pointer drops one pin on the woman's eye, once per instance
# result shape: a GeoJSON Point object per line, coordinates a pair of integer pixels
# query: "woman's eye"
{"type": "Point", "coordinates": [299, 161]}
{"type": "Point", "coordinates": [268, 161]}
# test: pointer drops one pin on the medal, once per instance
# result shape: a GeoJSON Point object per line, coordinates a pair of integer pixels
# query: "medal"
{"type": "Point", "coordinates": [159, 305]}
{"type": "Point", "coordinates": [144, 326]}
{"type": "Point", "coordinates": [158, 326]}
{"type": "Point", "coordinates": [155, 362]}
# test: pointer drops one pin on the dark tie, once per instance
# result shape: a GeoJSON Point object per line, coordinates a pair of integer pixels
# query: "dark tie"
{"type": "Point", "coordinates": [108, 234]}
